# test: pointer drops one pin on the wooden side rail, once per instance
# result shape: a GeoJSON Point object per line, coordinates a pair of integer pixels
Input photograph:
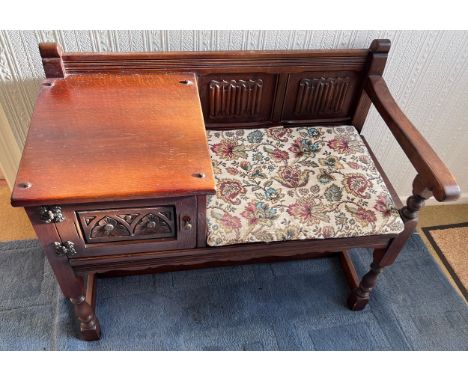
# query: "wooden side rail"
{"type": "Point", "coordinates": [433, 178]}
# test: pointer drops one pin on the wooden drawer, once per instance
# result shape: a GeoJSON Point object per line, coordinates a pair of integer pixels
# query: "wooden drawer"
{"type": "Point", "coordinates": [129, 227]}
{"type": "Point", "coordinates": [103, 226]}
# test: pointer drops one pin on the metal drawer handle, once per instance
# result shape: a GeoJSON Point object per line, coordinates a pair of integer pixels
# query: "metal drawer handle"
{"type": "Point", "coordinates": [66, 248]}
{"type": "Point", "coordinates": [51, 214]}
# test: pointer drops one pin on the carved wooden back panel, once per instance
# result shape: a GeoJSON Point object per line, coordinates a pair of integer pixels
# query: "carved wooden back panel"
{"type": "Point", "coordinates": [250, 88]}
{"type": "Point", "coordinates": [237, 98]}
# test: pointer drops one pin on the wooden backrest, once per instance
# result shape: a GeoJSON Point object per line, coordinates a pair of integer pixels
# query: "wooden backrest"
{"type": "Point", "coordinates": [242, 89]}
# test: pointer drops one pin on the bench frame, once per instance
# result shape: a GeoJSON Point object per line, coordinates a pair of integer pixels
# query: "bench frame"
{"type": "Point", "coordinates": [272, 78]}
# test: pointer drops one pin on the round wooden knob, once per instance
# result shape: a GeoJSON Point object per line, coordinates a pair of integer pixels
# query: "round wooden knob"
{"type": "Point", "coordinates": [151, 224]}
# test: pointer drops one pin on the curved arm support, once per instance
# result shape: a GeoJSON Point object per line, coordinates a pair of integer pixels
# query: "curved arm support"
{"type": "Point", "coordinates": [433, 176]}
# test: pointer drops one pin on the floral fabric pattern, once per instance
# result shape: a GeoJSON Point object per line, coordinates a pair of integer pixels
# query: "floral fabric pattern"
{"type": "Point", "coordinates": [293, 184]}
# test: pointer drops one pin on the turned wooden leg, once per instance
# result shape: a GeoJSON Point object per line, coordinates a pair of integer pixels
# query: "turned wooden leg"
{"type": "Point", "coordinates": [89, 324]}
{"type": "Point", "coordinates": [84, 311]}
{"type": "Point", "coordinates": [359, 296]}
{"type": "Point", "coordinates": [360, 290]}
{"type": "Point", "coordinates": [83, 305]}
{"type": "Point", "coordinates": [72, 286]}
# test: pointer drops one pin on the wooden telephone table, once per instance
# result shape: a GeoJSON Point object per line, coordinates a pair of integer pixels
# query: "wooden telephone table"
{"type": "Point", "coordinates": [116, 169]}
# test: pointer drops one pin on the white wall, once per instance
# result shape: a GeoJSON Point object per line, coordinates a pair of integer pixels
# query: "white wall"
{"type": "Point", "coordinates": [427, 73]}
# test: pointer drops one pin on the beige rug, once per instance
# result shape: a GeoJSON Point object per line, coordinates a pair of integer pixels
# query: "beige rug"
{"type": "Point", "coordinates": [14, 223]}
{"type": "Point", "coordinates": [450, 242]}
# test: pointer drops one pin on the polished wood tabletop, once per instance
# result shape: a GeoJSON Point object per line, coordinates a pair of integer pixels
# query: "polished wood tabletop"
{"type": "Point", "coordinates": [115, 137]}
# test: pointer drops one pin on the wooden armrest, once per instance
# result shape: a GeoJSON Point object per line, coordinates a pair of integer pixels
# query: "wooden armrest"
{"type": "Point", "coordinates": [431, 170]}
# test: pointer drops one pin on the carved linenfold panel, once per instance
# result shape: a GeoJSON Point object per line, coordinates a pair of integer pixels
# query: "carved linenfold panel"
{"type": "Point", "coordinates": [321, 96]}
{"type": "Point", "coordinates": [128, 224]}
{"type": "Point", "coordinates": [235, 98]}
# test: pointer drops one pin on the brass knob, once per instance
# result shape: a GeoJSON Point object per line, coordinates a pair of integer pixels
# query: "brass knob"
{"type": "Point", "coordinates": [187, 223]}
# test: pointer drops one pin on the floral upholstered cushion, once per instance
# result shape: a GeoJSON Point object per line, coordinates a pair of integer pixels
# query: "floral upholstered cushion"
{"type": "Point", "coordinates": [295, 183]}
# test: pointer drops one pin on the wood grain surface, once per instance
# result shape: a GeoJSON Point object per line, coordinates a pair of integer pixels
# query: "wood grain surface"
{"type": "Point", "coordinates": [107, 137]}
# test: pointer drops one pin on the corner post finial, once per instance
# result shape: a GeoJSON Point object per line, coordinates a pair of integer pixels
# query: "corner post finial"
{"type": "Point", "coordinates": [381, 45]}
{"type": "Point", "coordinates": [377, 58]}
{"type": "Point", "coordinates": [51, 54]}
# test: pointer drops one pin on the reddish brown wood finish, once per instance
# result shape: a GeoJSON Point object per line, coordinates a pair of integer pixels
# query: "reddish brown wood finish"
{"type": "Point", "coordinates": [212, 62]}
{"type": "Point", "coordinates": [201, 221]}
{"type": "Point", "coordinates": [52, 62]}
{"type": "Point", "coordinates": [107, 137]}
{"type": "Point", "coordinates": [435, 176]}
{"type": "Point", "coordinates": [378, 53]}
{"type": "Point", "coordinates": [314, 96]}
{"type": "Point", "coordinates": [350, 272]}
{"type": "Point", "coordinates": [243, 89]}
{"type": "Point", "coordinates": [70, 283]}
{"type": "Point", "coordinates": [433, 179]}
{"type": "Point", "coordinates": [185, 209]}
{"type": "Point", "coordinates": [128, 224]}
{"type": "Point", "coordinates": [226, 255]}
{"type": "Point", "coordinates": [237, 97]}
{"type": "Point", "coordinates": [140, 137]}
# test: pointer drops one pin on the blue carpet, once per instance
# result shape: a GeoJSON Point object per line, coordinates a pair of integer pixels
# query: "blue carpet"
{"type": "Point", "coordinates": [298, 305]}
